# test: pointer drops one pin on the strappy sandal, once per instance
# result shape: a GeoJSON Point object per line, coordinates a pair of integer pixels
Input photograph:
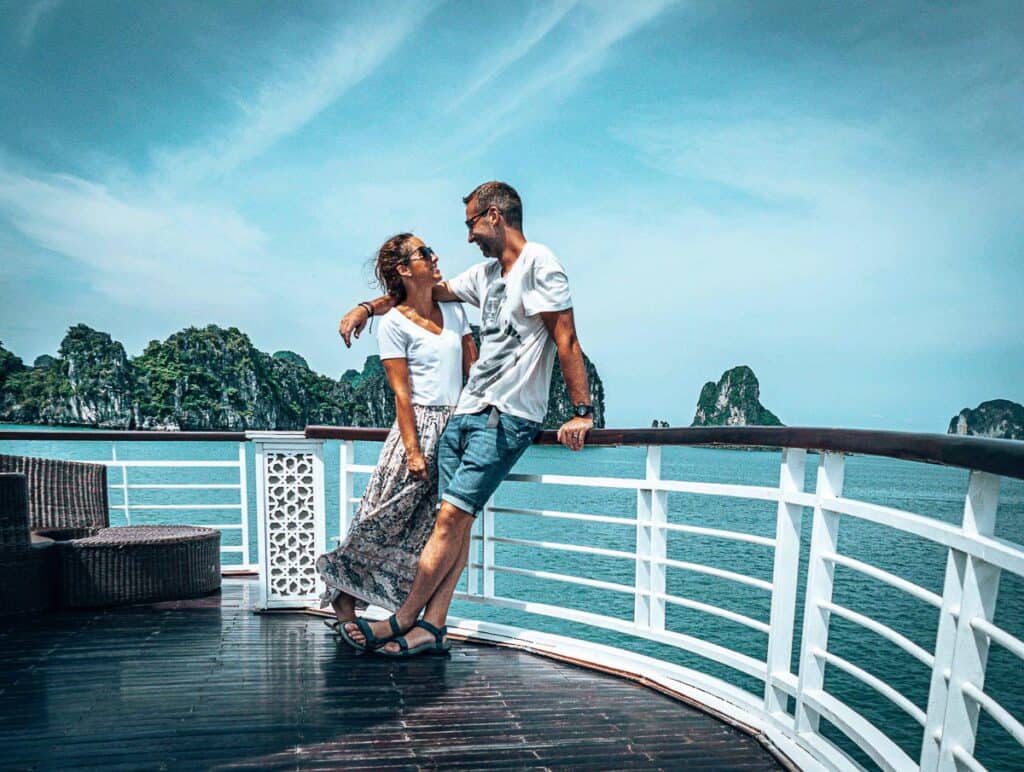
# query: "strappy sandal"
{"type": "Point", "coordinates": [335, 625]}
{"type": "Point", "coordinates": [372, 641]}
{"type": "Point", "coordinates": [438, 646]}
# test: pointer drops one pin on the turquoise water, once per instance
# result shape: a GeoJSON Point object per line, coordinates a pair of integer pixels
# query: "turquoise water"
{"type": "Point", "coordinates": [929, 490]}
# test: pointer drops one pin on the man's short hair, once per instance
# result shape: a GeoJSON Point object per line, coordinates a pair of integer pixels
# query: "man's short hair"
{"type": "Point", "coordinates": [500, 195]}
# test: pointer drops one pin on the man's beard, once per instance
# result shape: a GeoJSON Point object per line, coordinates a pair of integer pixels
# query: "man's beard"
{"type": "Point", "coordinates": [489, 249]}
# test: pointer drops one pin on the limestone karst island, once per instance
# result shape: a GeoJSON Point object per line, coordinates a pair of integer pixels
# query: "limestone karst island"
{"type": "Point", "coordinates": [208, 378]}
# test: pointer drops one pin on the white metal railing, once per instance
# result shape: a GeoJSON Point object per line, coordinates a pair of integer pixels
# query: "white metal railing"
{"type": "Point", "coordinates": [292, 523]}
{"type": "Point", "coordinates": [966, 608]}
{"type": "Point", "coordinates": [238, 522]}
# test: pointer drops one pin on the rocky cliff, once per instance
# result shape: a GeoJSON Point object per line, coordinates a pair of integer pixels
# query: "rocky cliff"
{"type": "Point", "coordinates": [734, 401]}
{"type": "Point", "coordinates": [216, 379]}
{"type": "Point", "coordinates": [998, 418]}
{"type": "Point", "coordinates": [203, 379]}
{"type": "Point", "coordinates": [90, 383]}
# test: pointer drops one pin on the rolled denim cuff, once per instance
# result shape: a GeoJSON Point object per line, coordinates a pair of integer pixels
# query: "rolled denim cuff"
{"type": "Point", "coordinates": [462, 504]}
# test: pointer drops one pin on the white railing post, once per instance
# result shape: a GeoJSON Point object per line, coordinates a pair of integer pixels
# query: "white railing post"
{"type": "Point", "coordinates": [124, 484]}
{"type": "Point", "coordinates": [820, 574]}
{"type": "Point", "coordinates": [961, 653]}
{"type": "Point", "coordinates": [651, 547]}
{"type": "Point", "coordinates": [785, 573]}
{"type": "Point", "coordinates": [243, 494]}
{"type": "Point", "coordinates": [487, 531]}
{"type": "Point", "coordinates": [346, 487]}
{"type": "Point", "coordinates": [291, 517]}
{"type": "Point", "coordinates": [472, 571]}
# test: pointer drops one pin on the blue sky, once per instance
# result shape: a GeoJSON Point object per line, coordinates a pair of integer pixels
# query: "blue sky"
{"type": "Point", "coordinates": [829, 193]}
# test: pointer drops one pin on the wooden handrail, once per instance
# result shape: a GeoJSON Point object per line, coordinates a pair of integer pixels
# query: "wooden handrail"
{"type": "Point", "coordinates": [1002, 457]}
{"type": "Point", "coordinates": [113, 435]}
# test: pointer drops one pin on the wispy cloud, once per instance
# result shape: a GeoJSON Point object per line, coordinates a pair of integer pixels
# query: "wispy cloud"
{"type": "Point", "coordinates": [141, 254]}
{"type": "Point", "coordinates": [593, 29]}
{"type": "Point", "coordinates": [535, 27]}
{"type": "Point", "coordinates": [34, 15]}
{"type": "Point", "coordinates": [300, 90]}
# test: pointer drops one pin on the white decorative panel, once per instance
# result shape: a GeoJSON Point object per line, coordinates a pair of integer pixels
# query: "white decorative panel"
{"type": "Point", "coordinates": [291, 510]}
{"type": "Point", "coordinates": [292, 527]}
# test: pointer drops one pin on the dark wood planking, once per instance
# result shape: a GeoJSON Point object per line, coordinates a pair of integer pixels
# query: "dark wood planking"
{"type": "Point", "coordinates": [208, 684]}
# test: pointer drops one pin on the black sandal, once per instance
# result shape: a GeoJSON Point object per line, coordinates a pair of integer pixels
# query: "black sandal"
{"type": "Point", "coordinates": [372, 641]}
{"type": "Point", "coordinates": [438, 646]}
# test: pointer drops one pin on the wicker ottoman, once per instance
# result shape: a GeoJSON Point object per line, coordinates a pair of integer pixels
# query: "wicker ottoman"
{"type": "Point", "coordinates": [139, 564]}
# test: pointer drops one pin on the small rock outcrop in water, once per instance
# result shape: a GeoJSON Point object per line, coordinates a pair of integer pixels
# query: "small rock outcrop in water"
{"type": "Point", "coordinates": [203, 379]}
{"type": "Point", "coordinates": [733, 401]}
{"type": "Point", "coordinates": [999, 418]}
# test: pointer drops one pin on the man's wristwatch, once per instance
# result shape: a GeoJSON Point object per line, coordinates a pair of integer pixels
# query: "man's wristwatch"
{"type": "Point", "coordinates": [583, 410]}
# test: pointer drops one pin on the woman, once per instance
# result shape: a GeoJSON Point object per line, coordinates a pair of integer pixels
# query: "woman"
{"type": "Point", "coordinates": [426, 349]}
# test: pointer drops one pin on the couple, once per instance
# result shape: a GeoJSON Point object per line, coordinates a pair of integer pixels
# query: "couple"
{"type": "Point", "coordinates": [451, 442]}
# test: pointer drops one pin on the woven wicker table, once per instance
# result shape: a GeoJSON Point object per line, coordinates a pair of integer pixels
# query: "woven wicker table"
{"type": "Point", "coordinates": [138, 564]}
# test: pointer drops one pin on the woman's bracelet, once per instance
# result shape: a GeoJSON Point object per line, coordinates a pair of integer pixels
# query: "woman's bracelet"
{"type": "Point", "coordinates": [368, 307]}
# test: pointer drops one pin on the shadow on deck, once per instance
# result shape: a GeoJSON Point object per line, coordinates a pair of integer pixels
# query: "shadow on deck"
{"type": "Point", "coordinates": [208, 684]}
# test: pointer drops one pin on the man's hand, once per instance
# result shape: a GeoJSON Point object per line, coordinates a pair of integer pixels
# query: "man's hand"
{"type": "Point", "coordinates": [352, 324]}
{"type": "Point", "coordinates": [573, 433]}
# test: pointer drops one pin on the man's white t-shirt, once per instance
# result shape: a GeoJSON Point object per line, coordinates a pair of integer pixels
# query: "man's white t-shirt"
{"type": "Point", "coordinates": [517, 353]}
{"type": "Point", "coordinates": [434, 361]}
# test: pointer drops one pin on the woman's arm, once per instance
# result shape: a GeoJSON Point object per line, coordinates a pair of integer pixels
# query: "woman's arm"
{"type": "Point", "coordinates": [354, 321]}
{"type": "Point", "coordinates": [397, 371]}
{"type": "Point", "coordinates": [469, 353]}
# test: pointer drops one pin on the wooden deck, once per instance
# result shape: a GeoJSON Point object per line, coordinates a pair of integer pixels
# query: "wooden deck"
{"type": "Point", "coordinates": [207, 684]}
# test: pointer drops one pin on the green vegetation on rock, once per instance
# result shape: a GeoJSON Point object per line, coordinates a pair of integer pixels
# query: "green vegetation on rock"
{"type": "Point", "coordinates": [734, 401]}
{"type": "Point", "coordinates": [291, 356]}
{"type": "Point", "coordinates": [998, 418]}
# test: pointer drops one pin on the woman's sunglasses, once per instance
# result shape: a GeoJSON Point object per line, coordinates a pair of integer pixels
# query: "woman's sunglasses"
{"type": "Point", "coordinates": [422, 253]}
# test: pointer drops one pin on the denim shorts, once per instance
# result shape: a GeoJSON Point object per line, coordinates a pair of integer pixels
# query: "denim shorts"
{"type": "Point", "coordinates": [473, 458]}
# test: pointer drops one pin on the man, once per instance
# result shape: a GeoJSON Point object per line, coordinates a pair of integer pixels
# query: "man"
{"type": "Point", "coordinates": [526, 318]}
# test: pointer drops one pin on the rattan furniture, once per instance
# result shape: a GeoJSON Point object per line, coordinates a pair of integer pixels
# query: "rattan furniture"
{"type": "Point", "coordinates": [104, 566]}
{"type": "Point", "coordinates": [26, 565]}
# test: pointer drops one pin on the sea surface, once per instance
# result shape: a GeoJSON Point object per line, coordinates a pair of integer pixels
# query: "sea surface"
{"type": "Point", "coordinates": [928, 490]}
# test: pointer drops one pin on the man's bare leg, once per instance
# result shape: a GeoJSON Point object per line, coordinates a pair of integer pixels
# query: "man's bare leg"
{"type": "Point", "coordinates": [437, 607]}
{"type": "Point", "coordinates": [442, 551]}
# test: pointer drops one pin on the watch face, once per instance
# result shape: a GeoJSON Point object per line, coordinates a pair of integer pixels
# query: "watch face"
{"type": "Point", "coordinates": [583, 410]}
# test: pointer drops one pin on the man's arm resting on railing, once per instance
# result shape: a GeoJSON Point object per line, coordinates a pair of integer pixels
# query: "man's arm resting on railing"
{"type": "Point", "coordinates": [562, 326]}
{"type": "Point", "coordinates": [352, 323]}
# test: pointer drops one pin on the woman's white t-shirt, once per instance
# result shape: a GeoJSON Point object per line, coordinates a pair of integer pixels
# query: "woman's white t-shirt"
{"type": "Point", "coordinates": [434, 361]}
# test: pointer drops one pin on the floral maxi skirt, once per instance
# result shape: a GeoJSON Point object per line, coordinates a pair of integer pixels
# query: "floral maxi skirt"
{"type": "Point", "coordinates": [376, 563]}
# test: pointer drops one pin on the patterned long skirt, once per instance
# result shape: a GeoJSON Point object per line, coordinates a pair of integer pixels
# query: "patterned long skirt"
{"type": "Point", "coordinates": [376, 563]}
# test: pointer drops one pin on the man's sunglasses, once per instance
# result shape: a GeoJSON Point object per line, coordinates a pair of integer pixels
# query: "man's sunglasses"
{"type": "Point", "coordinates": [422, 253]}
{"type": "Point", "coordinates": [472, 220]}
